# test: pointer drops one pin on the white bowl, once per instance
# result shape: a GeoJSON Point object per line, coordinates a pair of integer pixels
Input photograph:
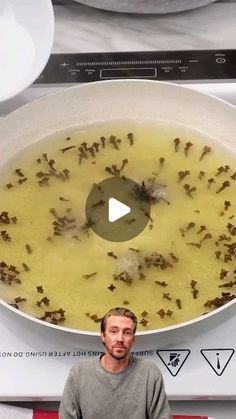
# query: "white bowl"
{"type": "Point", "coordinates": [26, 33]}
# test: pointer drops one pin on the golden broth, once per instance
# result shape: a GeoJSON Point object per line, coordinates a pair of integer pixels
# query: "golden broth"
{"type": "Point", "coordinates": [69, 278]}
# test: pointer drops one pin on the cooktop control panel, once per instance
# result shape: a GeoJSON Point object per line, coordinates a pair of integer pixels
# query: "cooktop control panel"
{"type": "Point", "coordinates": [153, 65]}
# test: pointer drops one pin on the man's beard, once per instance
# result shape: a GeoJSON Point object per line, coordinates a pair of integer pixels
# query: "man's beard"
{"type": "Point", "coordinates": [117, 357]}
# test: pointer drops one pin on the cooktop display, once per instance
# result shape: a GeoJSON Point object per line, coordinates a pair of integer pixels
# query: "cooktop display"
{"type": "Point", "coordinates": [153, 65]}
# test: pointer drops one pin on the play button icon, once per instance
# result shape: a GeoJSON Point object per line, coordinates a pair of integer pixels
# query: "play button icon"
{"type": "Point", "coordinates": [115, 211]}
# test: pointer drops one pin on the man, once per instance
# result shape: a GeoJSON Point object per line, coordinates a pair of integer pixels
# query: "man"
{"type": "Point", "coordinates": [116, 385]}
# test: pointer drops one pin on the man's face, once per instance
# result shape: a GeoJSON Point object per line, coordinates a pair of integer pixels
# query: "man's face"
{"type": "Point", "coordinates": [118, 336]}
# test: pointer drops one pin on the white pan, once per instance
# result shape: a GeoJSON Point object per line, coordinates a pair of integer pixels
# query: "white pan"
{"type": "Point", "coordinates": [121, 100]}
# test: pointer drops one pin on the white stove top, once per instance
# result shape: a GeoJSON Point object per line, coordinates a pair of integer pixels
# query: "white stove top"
{"type": "Point", "coordinates": [35, 361]}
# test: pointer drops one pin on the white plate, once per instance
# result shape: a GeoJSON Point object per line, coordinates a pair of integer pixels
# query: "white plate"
{"type": "Point", "coordinates": [26, 33]}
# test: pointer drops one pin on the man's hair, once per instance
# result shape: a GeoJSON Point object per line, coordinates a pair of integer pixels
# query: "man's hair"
{"type": "Point", "coordinates": [119, 311]}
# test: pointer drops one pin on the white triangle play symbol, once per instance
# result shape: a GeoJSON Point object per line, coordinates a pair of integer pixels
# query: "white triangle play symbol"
{"type": "Point", "coordinates": [116, 210]}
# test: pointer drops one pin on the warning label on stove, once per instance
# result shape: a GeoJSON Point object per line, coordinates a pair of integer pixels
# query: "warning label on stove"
{"type": "Point", "coordinates": [173, 359]}
{"type": "Point", "coordinates": [48, 354]}
{"type": "Point", "coordinates": [218, 359]}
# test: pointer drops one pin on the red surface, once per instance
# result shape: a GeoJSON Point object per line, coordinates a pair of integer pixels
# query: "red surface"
{"type": "Point", "coordinates": [189, 417]}
{"type": "Point", "coordinates": [45, 414]}
{"type": "Point", "coordinates": [48, 414]}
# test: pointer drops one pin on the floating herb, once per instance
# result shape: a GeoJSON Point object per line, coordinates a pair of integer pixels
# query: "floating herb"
{"type": "Point", "coordinates": [45, 156]}
{"type": "Point", "coordinates": [207, 236]}
{"type": "Point", "coordinates": [187, 147]}
{"type": "Point", "coordinates": [113, 141]}
{"type": "Point", "coordinates": [143, 322]}
{"type": "Point", "coordinates": [210, 182]}
{"type": "Point", "coordinates": [161, 283]}
{"type": "Point", "coordinates": [29, 249]}
{"type": "Point", "coordinates": [96, 146]}
{"type": "Point", "coordinates": [44, 181]}
{"type": "Point", "coordinates": [161, 162]}
{"type": "Point", "coordinates": [177, 143]}
{"type": "Point", "coordinates": [222, 169]}
{"type": "Point", "coordinates": [202, 228]}
{"type": "Point", "coordinates": [179, 303]}
{"type": "Point", "coordinates": [189, 190]}
{"type": "Point", "coordinates": [184, 230]}
{"type": "Point", "coordinates": [201, 174]}
{"type": "Point", "coordinates": [157, 260]}
{"type": "Point", "coordinates": [54, 317]}
{"type": "Point", "coordinates": [44, 301]}
{"type": "Point", "coordinates": [103, 140]}
{"type": "Point", "coordinates": [141, 275]}
{"type": "Point", "coordinates": [20, 300]}
{"type": "Point", "coordinates": [224, 185]}
{"type": "Point", "coordinates": [182, 174]}
{"type": "Point", "coordinates": [175, 258]}
{"type": "Point", "coordinates": [206, 150]}
{"type": "Point", "coordinates": [134, 250]}
{"type": "Point", "coordinates": [227, 204]}
{"type": "Point", "coordinates": [218, 254]}
{"type": "Point", "coordinates": [130, 137]}
{"type": "Point", "coordinates": [166, 296]}
{"type": "Point", "coordinates": [131, 221]}
{"type": "Point", "coordinates": [150, 191]}
{"type": "Point", "coordinates": [228, 284]}
{"type": "Point", "coordinates": [162, 313]}
{"type": "Point", "coordinates": [227, 258]}
{"type": "Point", "coordinates": [220, 301]}
{"type": "Point", "coordinates": [19, 172]}
{"type": "Point", "coordinates": [87, 276]}
{"type": "Point", "coordinates": [82, 155]}
{"type": "Point", "coordinates": [197, 245]}
{"type": "Point", "coordinates": [114, 171]}
{"type": "Point", "coordinates": [20, 181]}
{"type": "Point", "coordinates": [193, 288]}
{"type": "Point", "coordinates": [9, 274]}
{"type": "Point", "coordinates": [231, 228]}
{"type": "Point", "coordinates": [4, 218]}
{"type": "Point", "coordinates": [26, 268]}
{"type": "Point", "coordinates": [51, 165]}
{"type": "Point", "coordinates": [63, 199]}
{"type": "Point", "coordinates": [123, 276]}
{"type": "Point", "coordinates": [63, 150]}
{"type": "Point", "coordinates": [111, 254]}
{"type": "Point", "coordinates": [100, 203]}
{"type": "Point", "coordinates": [223, 273]}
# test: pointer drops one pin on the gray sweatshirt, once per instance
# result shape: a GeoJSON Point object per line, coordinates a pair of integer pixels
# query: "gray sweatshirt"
{"type": "Point", "coordinates": [137, 392]}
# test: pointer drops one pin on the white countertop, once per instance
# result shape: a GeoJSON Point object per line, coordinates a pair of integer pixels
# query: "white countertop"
{"type": "Point", "coordinates": [83, 29]}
